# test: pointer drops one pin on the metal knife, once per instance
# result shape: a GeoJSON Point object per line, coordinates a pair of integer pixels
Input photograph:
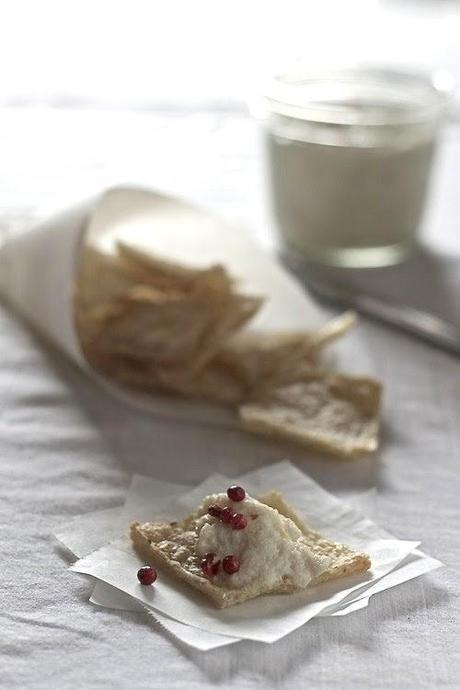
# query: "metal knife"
{"type": "Point", "coordinates": [419, 323]}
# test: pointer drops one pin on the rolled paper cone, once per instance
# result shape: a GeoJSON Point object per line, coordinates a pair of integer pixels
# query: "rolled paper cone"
{"type": "Point", "coordinates": [38, 270]}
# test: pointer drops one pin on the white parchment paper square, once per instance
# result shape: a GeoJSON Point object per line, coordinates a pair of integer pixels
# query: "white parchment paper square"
{"type": "Point", "coordinates": [268, 618]}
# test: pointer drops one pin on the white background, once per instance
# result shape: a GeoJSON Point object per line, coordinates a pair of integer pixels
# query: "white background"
{"type": "Point", "coordinates": [163, 52]}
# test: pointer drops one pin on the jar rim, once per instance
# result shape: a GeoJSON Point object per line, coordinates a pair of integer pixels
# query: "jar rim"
{"type": "Point", "coordinates": [357, 95]}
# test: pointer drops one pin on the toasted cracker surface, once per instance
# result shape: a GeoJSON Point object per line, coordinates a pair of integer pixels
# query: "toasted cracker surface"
{"type": "Point", "coordinates": [130, 307]}
{"type": "Point", "coordinates": [331, 412]}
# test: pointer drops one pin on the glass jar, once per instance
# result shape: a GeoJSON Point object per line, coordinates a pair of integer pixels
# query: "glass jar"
{"type": "Point", "coordinates": [349, 160]}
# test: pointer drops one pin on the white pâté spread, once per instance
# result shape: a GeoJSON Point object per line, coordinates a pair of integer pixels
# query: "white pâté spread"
{"type": "Point", "coordinates": [270, 549]}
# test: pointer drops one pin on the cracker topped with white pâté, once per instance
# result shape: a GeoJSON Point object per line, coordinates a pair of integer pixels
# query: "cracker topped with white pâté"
{"type": "Point", "coordinates": [236, 547]}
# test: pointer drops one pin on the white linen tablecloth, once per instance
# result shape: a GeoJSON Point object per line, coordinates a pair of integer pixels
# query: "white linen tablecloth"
{"type": "Point", "coordinates": [67, 448]}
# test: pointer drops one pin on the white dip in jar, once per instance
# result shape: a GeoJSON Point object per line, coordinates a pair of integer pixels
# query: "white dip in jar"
{"type": "Point", "coordinates": [349, 160]}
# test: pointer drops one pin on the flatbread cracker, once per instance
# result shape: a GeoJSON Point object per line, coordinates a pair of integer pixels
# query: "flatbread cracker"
{"type": "Point", "coordinates": [168, 274]}
{"type": "Point", "coordinates": [262, 361]}
{"type": "Point", "coordinates": [214, 382]}
{"type": "Point", "coordinates": [165, 329]}
{"type": "Point", "coordinates": [334, 329]}
{"type": "Point", "coordinates": [100, 278]}
{"type": "Point", "coordinates": [330, 412]}
{"type": "Point", "coordinates": [184, 333]}
{"type": "Point", "coordinates": [172, 546]}
{"type": "Point", "coordinates": [167, 319]}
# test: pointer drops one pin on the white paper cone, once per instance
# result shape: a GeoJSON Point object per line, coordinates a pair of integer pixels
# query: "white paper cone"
{"type": "Point", "coordinates": [37, 270]}
{"type": "Point", "coordinates": [38, 273]}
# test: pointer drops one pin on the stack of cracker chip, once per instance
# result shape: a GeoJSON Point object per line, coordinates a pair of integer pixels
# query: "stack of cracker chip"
{"type": "Point", "coordinates": [156, 325]}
